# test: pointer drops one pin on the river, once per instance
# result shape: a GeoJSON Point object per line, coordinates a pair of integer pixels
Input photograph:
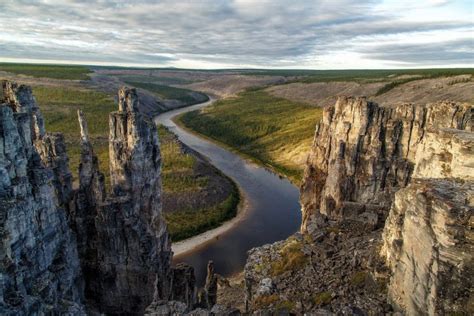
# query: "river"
{"type": "Point", "coordinates": [273, 209]}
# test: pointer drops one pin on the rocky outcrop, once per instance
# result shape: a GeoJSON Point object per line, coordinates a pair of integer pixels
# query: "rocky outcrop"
{"type": "Point", "coordinates": [365, 157]}
{"type": "Point", "coordinates": [124, 245]}
{"type": "Point", "coordinates": [428, 245]}
{"type": "Point", "coordinates": [183, 285]}
{"type": "Point", "coordinates": [363, 153]}
{"type": "Point", "coordinates": [414, 164]}
{"type": "Point", "coordinates": [40, 271]}
{"type": "Point", "coordinates": [209, 293]}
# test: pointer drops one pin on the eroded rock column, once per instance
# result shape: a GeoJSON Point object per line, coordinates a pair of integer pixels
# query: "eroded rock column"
{"type": "Point", "coordinates": [40, 271]}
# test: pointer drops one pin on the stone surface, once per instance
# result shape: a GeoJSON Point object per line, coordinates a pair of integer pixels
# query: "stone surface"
{"type": "Point", "coordinates": [124, 245]}
{"type": "Point", "coordinates": [121, 261]}
{"type": "Point", "coordinates": [428, 245]}
{"type": "Point", "coordinates": [209, 293]}
{"type": "Point", "coordinates": [40, 271]}
{"type": "Point", "coordinates": [363, 153]}
{"type": "Point", "coordinates": [183, 285]}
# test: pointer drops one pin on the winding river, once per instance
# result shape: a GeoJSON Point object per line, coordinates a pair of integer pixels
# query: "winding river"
{"type": "Point", "coordinates": [272, 214]}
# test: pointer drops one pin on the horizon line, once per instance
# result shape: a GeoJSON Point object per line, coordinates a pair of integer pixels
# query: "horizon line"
{"type": "Point", "coordinates": [47, 62]}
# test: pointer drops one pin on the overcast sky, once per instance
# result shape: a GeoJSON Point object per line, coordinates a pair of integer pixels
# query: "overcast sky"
{"type": "Point", "coordinates": [319, 34]}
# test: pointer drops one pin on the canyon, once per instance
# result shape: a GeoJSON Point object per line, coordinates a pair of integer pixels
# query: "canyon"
{"type": "Point", "coordinates": [387, 217]}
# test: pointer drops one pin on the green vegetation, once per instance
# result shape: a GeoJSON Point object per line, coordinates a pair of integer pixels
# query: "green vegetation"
{"type": "Point", "coordinates": [292, 258]}
{"type": "Point", "coordinates": [178, 175]}
{"type": "Point", "coordinates": [272, 131]}
{"type": "Point", "coordinates": [171, 93]}
{"type": "Point", "coordinates": [266, 300]}
{"type": "Point", "coordinates": [185, 224]}
{"type": "Point", "coordinates": [59, 106]}
{"type": "Point", "coordinates": [322, 298]}
{"type": "Point", "coordinates": [48, 71]}
{"type": "Point", "coordinates": [178, 167]}
{"type": "Point", "coordinates": [358, 278]}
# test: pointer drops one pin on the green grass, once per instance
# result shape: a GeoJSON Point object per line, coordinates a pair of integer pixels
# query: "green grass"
{"type": "Point", "coordinates": [186, 96]}
{"type": "Point", "coordinates": [270, 130]}
{"type": "Point", "coordinates": [292, 258]}
{"type": "Point", "coordinates": [322, 298]}
{"type": "Point", "coordinates": [188, 223]}
{"type": "Point", "coordinates": [178, 176]}
{"type": "Point", "coordinates": [59, 106]}
{"type": "Point", "coordinates": [178, 167]}
{"type": "Point", "coordinates": [48, 71]}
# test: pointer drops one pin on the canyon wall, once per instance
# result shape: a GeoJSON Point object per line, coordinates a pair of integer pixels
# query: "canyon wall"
{"type": "Point", "coordinates": [40, 270]}
{"type": "Point", "coordinates": [77, 251]}
{"type": "Point", "coordinates": [123, 242]}
{"type": "Point", "coordinates": [414, 164]}
{"type": "Point", "coordinates": [363, 153]}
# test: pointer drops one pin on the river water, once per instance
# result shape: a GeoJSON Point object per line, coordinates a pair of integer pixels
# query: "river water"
{"type": "Point", "coordinates": [273, 214]}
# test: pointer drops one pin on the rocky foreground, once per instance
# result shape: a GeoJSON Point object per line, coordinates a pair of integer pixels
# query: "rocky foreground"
{"type": "Point", "coordinates": [388, 206]}
{"type": "Point", "coordinates": [84, 251]}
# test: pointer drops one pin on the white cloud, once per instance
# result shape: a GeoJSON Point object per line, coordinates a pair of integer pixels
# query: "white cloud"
{"type": "Point", "coordinates": [242, 33]}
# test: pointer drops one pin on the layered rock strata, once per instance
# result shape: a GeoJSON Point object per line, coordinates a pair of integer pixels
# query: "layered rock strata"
{"type": "Point", "coordinates": [421, 158]}
{"type": "Point", "coordinates": [124, 245]}
{"type": "Point", "coordinates": [121, 260]}
{"type": "Point", "coordinates": [40, 271]}
{"type": "Point", "coordinates": [428, 245]}
{"type": "Point", "coordinates": [363, 153]}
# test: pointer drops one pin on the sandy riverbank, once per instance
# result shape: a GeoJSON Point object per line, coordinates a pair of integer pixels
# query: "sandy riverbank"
{"type": "Point", "coordinates": [188, 245]}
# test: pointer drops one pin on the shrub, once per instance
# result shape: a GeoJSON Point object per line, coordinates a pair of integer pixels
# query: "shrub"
{"type": "Point", "coordinates": [266, 300]}
{"type": "Point", "coordinates": [291, 258]}
{"type": "Point", "coordinates": [322, 298]}
{"type": "Point", "coordinates": [358, 278]}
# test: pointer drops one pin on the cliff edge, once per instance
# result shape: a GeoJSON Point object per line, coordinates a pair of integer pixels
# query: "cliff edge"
{"type": "Point", "coordinates": [387, 216]}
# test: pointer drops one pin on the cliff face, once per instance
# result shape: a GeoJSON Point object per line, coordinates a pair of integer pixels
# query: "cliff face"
{"type": "Point", "coordinates": [121, 261]}
{"type": "Point", "coordinates": [363, 153]}
{"type": "Point", "coordinates": [416, 165]}
{"type": "Point", "coordinates": [40, 270]}
{"type": "Point", "coordinates": [124, 245]}
{"type": "Point", "coordinates": [428, 246]}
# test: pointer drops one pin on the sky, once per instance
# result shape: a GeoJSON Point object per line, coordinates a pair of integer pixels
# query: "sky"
{"type": "Point", "coordinates": [310, 34]}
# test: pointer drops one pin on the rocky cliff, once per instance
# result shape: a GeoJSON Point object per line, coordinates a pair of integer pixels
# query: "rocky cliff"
{"type": "Point", "coordinates": [391, 180]}
{"type": "Point", "coordinates": [123, 242]}
{"type": "Point", "coordinates": [40, 271]}
{"type": "Point", "coordinates": [67, 251]}
{"type": "Point", "coordinates": [428, 246]}
{"type": "Point", "coordinates": [363, 153]}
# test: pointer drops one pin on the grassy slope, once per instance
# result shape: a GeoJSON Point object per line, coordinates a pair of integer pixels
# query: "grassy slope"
{"type": "Point", "coordinates": [178, 167]}
{"type": "Point", "coordinates": [178, 177]}
{"type": "Point", "coordinates": [265, 128]}
{"type": "Point", "coordinates": [48, 71]}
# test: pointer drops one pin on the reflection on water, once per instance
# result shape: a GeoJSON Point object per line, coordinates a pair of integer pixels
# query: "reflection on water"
{"type": "Point", "coordinates": [274, 212]}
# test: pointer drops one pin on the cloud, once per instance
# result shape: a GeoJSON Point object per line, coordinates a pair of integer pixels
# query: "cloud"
{"type": "Point", "coordinates": [223, 33]}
